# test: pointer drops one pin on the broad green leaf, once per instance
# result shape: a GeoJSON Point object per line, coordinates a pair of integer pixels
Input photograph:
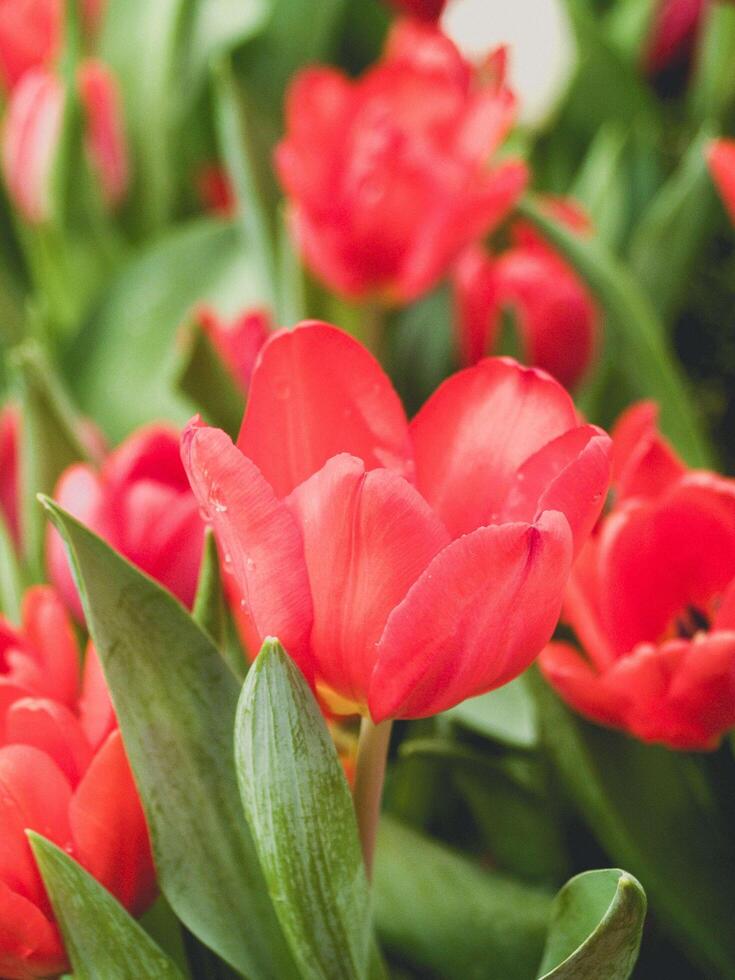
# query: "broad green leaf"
{"type": "Point", "coordinates": [300, 812]}
{"type": "Point", "coordinates": [249, 173]}
{"type": "Point", "coordinates": [49, 443]}
{"type": "Point", "coordinates": [638, 334]}
{"type": "Point", "coordinates": [102, 940]}
{"type": "Point", "coordinates": [595, 930]}
{"type": "Point", "coordinates": [122, 365]}
{"type": "Point", "coordinates": [139, 42]}
{"type": "Point", "coordinates": [175, 699]}
{"type": "Point", "coordinates": [654, 813]}
{"type": "Point", "coordinates": [445, 916]}
{"type": "Point", "coordinates": [205, 380]}
{"type": "Point", "coordinates": [669, 237]}
{"type": "Point", "coordinates": [507, 715]}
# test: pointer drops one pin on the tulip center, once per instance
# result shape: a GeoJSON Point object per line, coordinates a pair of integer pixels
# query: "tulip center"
{"type": "Point", "coordinates": [690, 621]}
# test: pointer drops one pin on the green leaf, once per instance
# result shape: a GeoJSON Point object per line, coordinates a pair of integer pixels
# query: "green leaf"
{"type": "Point", "coordinates": [299, 808]}
{"type": "Point", "coordinates": [209, 606]}
{"type": "Point", "coordinates": [203, 378]}
{"type": "Point", "coordinates": [601, 182]}
{"type": "Point", "coordinates": [595, 930]}
{"type": "Point", "coordinates": [670, 235]}
{"type": "Point", "coordinates": [124, 361]}
{"type": "Point", "coordinates": [442, 914]}
{"type": "Point", "coordinates": [175, 699]}
{"type": "Point", "coordinates": [506, 715]}
{"type": "Point", "coordinates": [712, 87]}
{"type": "Point", "coordinates": [11, 577]}
{"type": "Point", "coordinates": [102, 940]}
{"type": "Point", "coordinates": [49, 443]}
{"type": "Point", "coordinates": [654, 813]}
{"type": "Point", "coordinates": [637, 332]}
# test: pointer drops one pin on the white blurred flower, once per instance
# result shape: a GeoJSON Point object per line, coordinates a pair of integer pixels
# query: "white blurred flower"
{"type": "Point", "coordinates": [541, 46]}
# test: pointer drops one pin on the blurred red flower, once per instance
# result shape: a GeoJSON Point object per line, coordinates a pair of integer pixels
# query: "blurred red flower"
{"type": "Point", "coordinates": [140, 502]}
{"type": "Point", "coordinates": [9, 499]}
{"type": "Point", "coordinates": [652, 599]}
{"type": "Point", "coordinates": [555, 313]}
{"type": "Point", "coordinates": [721, 159]}
{"type": "Point", "coordinates": [30, 34]}
{"type": "Point", "coordinates": [423, 9]}
{"type": "Point", "coordinates": [405, 568]}
{"type": "Point", "coordinates": [238, 341]}
{"type": "Point", "coordinates": [64, 774]}
{"type": "Point", "coordinates": [389, 176]}
{"type": "Point", "coordinates": [673, 33]}
{"type": "Point", "coordinates": [105, 137]}
{"type": "Point", "coordinates": [215, 190]}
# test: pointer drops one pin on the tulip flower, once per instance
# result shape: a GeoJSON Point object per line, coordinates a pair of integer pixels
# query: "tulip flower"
{"type": "Point", "coordinates": [215, 190]}
{"type": "Point", "coordinates": [31, 135]}
{"type": "Point", "coordinates": [430, 10]}
{"type": "Point", "coordinates": [30, 33]}
{"type": "Point", "coordinates": [64, 774]}
{"type": "Point", "coordinates": [721, 160]}
{"type": "Point", "coordinates": [405, 568]}
{"type": "Point", "coordinates": [9, 499]}
{"type": "Point", "coordinates": [555, 313]}
{"type": "Point", "coordinates": [388, 176]}
{"type": "Point", "coordinates": [238, 342]}
{"type": "Point", "coordinates": [139, 501]}
{"type": "Point", "coordinates": [652, 600]}
{"type": "Point", "coordinates": [673, 33]}
{"type": "Point", "coordinates": [105, 137]}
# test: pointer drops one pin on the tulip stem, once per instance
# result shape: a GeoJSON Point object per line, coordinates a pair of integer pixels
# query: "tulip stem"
{"type": "Point", "coordinates": [372, 754]}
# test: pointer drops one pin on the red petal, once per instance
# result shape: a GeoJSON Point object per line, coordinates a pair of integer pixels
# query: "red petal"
{"type": "Point", "coordinates": [150, 453]}
{"type": "Point", "coordinates": [110, 833]}
{"type": "Point", "coordinates": [477, 617]}
{"type": "Point", "coordinates": [257, 533]}
{"type": "Point", "coordinates": [49, 635]}
{"type": "Point", "coordinates": [100, 96]}
{"type": "Point", "coordinates": [721, 159]}
{"type": "Point", "coordinates": [476, 301]}
{"type": "Point", "coordinates": [96, 714]}
{"type": "Point", "coordinates": [367, 538]}
{"type": "Point", "coordinates": [570, 474]}
{"type": "Point", "coordinates": [476, 430]}
{"type": "Point", "coordinates": [644, 465]}
{"type": "Point", "coordinates": [30, 945]}
{"type": "Point", "coordinates": [315, 393]}
{"type": "Point", "coordinates": [53, 729]}
{"type": "Point", "coordinates": [34, 795]}
{"type": "Point", "coordinates": [580, 685]}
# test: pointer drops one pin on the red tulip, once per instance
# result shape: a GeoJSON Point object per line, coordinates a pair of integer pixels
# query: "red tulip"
{"type": "Point", "coordinates": [721, 159]}
{"type": "Point", "coordinates": [389, 175]}
{"type": "Point", "coordinates": [64, 774]}
{"type": "Point", "coordinates": [139, 501]}
{"type": "Point", "coordinates": [238, 342]}
{"type": "Point", "coordinates": [405, 568]}
{"type": "Point", "coordinates": [673, 33]}
{"type": "Point", "coordinates": [30, 33]}
{"type": "Point", "coordinates": [652, 600]}
{"type": "Point", "coordinates": [105, 137]}
{"type": "Point", "coordinates": [430, 10]}
{"type": "Point", "coordinates": [556, 315]}
{"type": "Point", "coordinates": [9, 499]}
{"type": "Point", "coordinates": [31, 135]}
{"type": "Point", "coordinates": [216, 191]}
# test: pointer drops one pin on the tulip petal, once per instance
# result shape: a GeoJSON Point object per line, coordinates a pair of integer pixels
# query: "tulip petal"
{"type": "Point", "coordinates": [475, 619]}
{"type": "Point", "coordinates": [476, 430]}
{"type": "Point", "coordinates": [721, 160]}
{"type": "Point", "coordinates": [644, 465]}
{"type": "Point", "coordinates": [315, 393]}
{"type": "Point", "coordinates": [110, 834]}
{"type": "Point", "coordinates": [570, 474]}
{"type": "Point", "coordinates": [580, 685]}
{"type": "Point", "coordinates": [367, 538]}
{"type": "Point", "coordinates": [96, 714]}
{"type": "Point", "coordinates": [30, 945]}
{"type": "Point", "coordinates": [53, 729]}
{"type": "Point", "coordinates": [258, 535]}
{"type": "Point", "coordinates": [34, 795]}
{"type": "Point", "coordinates": [49, 635]}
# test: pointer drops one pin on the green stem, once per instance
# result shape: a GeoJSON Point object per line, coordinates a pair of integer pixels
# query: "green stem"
{"type": "Point", "coordinates": [372, 754]}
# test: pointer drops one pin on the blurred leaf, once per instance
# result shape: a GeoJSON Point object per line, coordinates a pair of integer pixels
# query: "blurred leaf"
{"type": "Point", "coordinates": [507, 715]}
{"type": "Point", "coordinates": [596, 926]}
{"type": "Point", "coordinates": [139, 42]}
{"type": "Point", "coordinates": [249, 175]}
{"type": "Point", "coordinates": [11, 577]}
{"type": "Point", "coordinates": [445, 916]}
{"type": "Point", "coordinates": [203, 378]}
{"type": "Point", "coordinates": [49, 443]}
{"type": "Point", "coordinates": [671, 233]}
{"type": "Point", "coordinates": [300, 812]}
{"type": "Point", "coordinates": [628, 26]}
{"type": "Point", "coordinates": [175, 699]}
{"type": "Point", "coordinates": [654, 813]}
{"type": "Point", "coordinates": [216, 28]}
{"type": "Point", "coordinates": [124, 360]}
{"type": "Point", "coordinates": [102, 940]}
{"type": "Point", "coordinates": [637, 332]}
{"type": "Point", "coordinates": [600, 183]}
{"type": "Point", "coordinates": [712, 87]}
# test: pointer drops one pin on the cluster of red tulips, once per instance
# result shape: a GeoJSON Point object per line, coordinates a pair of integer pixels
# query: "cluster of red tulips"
{"type": "Point", "coordinates": [406, 322]}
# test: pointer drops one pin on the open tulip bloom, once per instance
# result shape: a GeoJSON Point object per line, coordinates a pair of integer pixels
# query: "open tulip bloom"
{"type": "Point", "coordinates": [404, 567]}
